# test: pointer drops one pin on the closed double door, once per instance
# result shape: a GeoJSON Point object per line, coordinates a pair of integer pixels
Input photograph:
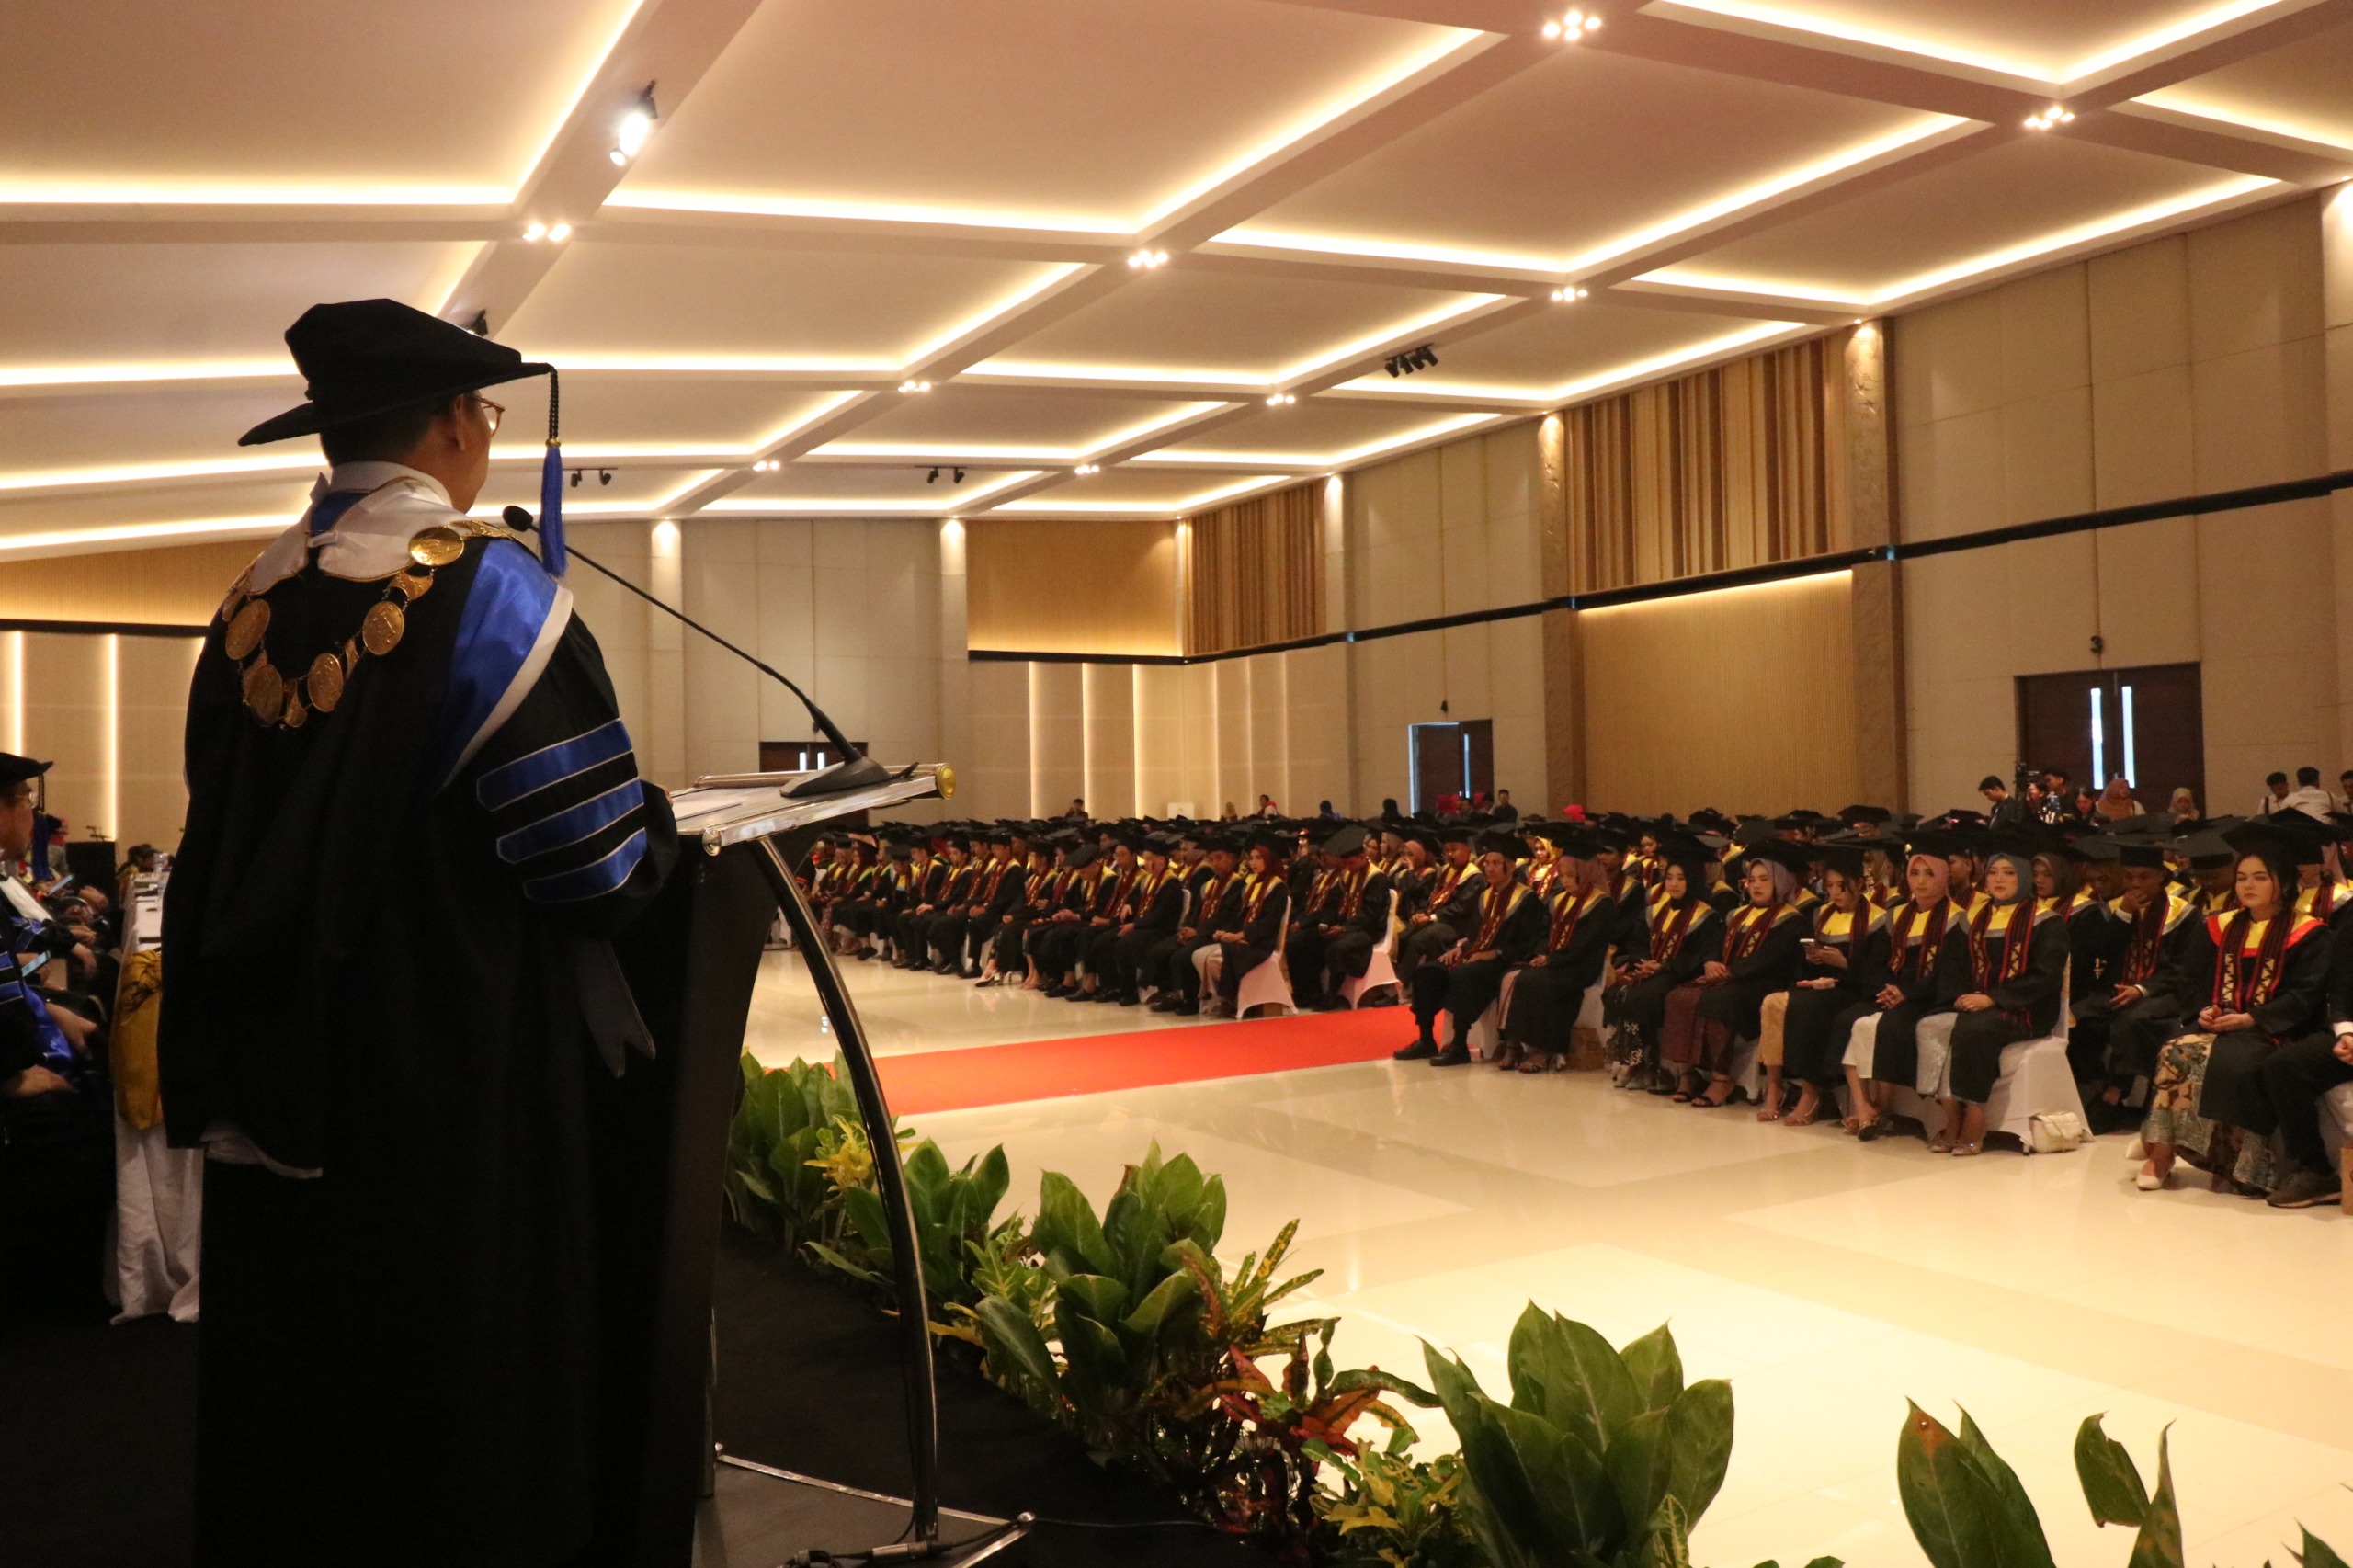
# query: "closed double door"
{"type": "Point", "coordinates": [2145, 725]}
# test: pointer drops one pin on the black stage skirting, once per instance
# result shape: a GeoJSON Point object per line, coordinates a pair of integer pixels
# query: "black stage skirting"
{"type": "Point", "coordinates": [95, 1427]}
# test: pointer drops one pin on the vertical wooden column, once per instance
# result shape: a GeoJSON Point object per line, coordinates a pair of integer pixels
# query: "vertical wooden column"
{"type": "Point", "coordinates": [1863, 518]}
{"type": "Point", "coordinates": [1564, 777]}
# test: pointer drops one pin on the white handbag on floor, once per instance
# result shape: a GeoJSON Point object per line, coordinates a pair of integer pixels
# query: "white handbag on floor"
{"type": "Point", "coordinates": [2056, 1131]}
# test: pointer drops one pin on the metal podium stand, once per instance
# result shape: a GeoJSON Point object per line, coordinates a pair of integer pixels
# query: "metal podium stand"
{"type": "Point", "coordinates": [692, 964]}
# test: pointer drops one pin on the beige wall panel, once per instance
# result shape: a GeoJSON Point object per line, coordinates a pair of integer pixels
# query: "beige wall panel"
{"type": "Point", "coordinates": [152, 677]}
{"type": "Point", "coordinates": [1269, 724]}
{"type": "Point", "coordinates": [2267, 633]}
{"type": "Point", "coordinates": [1953, 476]}
{"type": "Point", "coordinates": [2140, 309]}
{"type": "Point", "coordinates": [2255, 281]}
{"type": "Point", "coordinates": [1963, 728]}
{"type": "Point", "coordinates": [1108, 693]}
{"type": "Point", "coordinates": [2141, 446]}
{"type": "Point", "coordinates": [615, 618]}
{"type": "Point", "coordinates": [1196, 692]}
{"type": "Point", "coordinates": [787, 570]}
{"type": "Point", "coordinates": [1955, 353]}
{"type": "Point", "coordinates": [1514, 470]}
{"type": "Point", "coordinates": [2052, 601]}
{"type": "Point", "coordinates": [1463, 567]}
{"type": "Point", "coordinates": [1160, 737]}
{"type": "Point", "coordinates": [1742, 699]}
{"type": "Point", "coordinates": [1057, 738]}
{"type": "Point", "coordinates": [2148, 593]}
{"type": "Point", "coordinates": [1516, 677]}
{"type": "Point", "coordinates": [1315, 683]}
{"type": "Point", "coordinates": [721, 589]}
{"type": "Point", "coordinates": [1463, 659]}
{"type": "Point", "coordinates": [2047, 456]}
{"type": "Point", "coordinates": [69, 693]}
{"type": "Point", "coordinates": [2046, 334]}
{"type": "Point", "coordinates": [1072, 587]}
{"type": "Point", "coordinates": [2259, 417]}
{"type": "Point", "coordinates": [1946, 601]}
{"type": "Point", "coordinates": [994, 778]}
{"type": "Point", "coordinates": [180, 586]}
{"type": "Point", "coordinates": [1231, 709]}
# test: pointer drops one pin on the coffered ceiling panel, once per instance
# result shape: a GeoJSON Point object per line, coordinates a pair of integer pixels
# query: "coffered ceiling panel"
{"type": "Point", "coordinates": [894, 485]}
{"type": "Point", "coordinates": [1594, 148]}
{"type": "Point", "coordinates": [50, 434]}
{"type": "Point", "coordinates": [82, 305]}
{"type": "Point", "coordinates": [2303, 89]}
{"type": "Point", "coordinates": [1319, 431]}
{"type": "Point", "coordinates": [262, 509]}
{"type": "Point", "coordinates": [633, 487]}
{"type": "Point", "coordinates": [2026, 190]}
{"type": "Point", "coordinates": [1555, 352]}
{"type": "Point", "coordinates": [1070, 424]}
{"type": "Point", "coordinates": [1061, 109]}
{"type": "Point", "coordinates": [656, 300]}
{"type": "Point", "coordinates": [2052, 38]}
{"type": "Point", "coordinates": [650, 412]}
{"type": "Point", "coordinates": [1241, 328]}
{"type": "Point", "coordinates": [336, 99]}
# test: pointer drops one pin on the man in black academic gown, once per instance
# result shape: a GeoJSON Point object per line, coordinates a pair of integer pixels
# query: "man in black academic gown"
{"type": "Point", "coordinates": [394, 1023]}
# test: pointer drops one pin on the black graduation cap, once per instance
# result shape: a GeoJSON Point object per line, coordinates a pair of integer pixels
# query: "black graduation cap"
{"type": "Point", "coordinates": [1275, 840]}
{"type": "Point", "coordinates": [1494, 842]}
{"type": "Point", "coordinates": [1685, 850]}
{"type": "Point", "coordinates": [1456, 832]}
{"type": "Point", "coordinates": [1080, 856]}
{"type": "Point", "coordinates": [1863, 813]}
{"type": "Point", "coordinates": [1347, 840]}
{"type": "Point", "coordinates": [14, 770]}
{"type": "Point", "coordinates": [1573, 839]}
{"type": "Point", "coordinates": [1845, 858]}
{"type": "Point", "coordinates": [2132, 852]}
{"type": "Point", "coordinates": [2206, 849]}
{"type": "Point", "coordinates": [366, 356]}
{"type": "Point", "coordinates": [1218, 843]}
{"type": "Point", "coordinates": [1796, 858]}
{"type": "Point", "coordinates": [1422, 836]}
{"type": "Point", "coordinates": [2274, 839]}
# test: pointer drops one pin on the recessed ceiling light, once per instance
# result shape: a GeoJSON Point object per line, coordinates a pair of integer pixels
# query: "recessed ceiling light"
{"type": "Point", "coordinates": [1145, 260]}
{"type": "Point", "coordinates": [912, 387]}
{"type": "Point", "coordinates": [636, 126]}
{"type": "Point", "coordinates": [1573, 27]}
{"type": "Point", "coordinates": [1567, 295]}
{"type": "Point", "coordinates": [2057, 114]}
{"type": "Point", "coordinates": [1087, 468]}
{"type": "Point", "coordinates": [1276, 400]}
{"type": "Point", "coordinates": [536, 233]}
{"type": "Point", "coordinates": [559, 233]}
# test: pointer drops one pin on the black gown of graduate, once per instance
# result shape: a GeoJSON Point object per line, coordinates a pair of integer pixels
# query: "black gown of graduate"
{"type": "Point", "coordinates": [386, 928]}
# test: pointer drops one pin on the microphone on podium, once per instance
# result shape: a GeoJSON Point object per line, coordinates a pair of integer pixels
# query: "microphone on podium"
{"type": "Point", "coordinates": [856, 770]}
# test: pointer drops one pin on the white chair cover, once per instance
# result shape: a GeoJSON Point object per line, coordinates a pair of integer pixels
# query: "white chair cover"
{"type": "Point", "coordinates": [159, 1223]}
{"type": "Point", "coordinates": [1382, 970]}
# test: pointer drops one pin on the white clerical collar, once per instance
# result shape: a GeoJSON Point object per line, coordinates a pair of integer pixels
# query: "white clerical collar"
{"type": "Point", "coordinates": [365, 476]}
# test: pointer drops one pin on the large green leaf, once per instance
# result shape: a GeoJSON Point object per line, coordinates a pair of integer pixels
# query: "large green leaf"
{"type": "Point", "coordinates": [1578, 1508]}
{"type": "Point", "coordinates": [2112, 1481]}
{"type": "Point", "coordinates": [1097, 1363]}
{"type": "Point", "coordinates": [2159, 1543]}
{"type": "Point", "coordinates": [1947, 1498]}
{"type": "Point", "coordinates": [2318, 1553]}
{"type": "Point", "coordinates": [2014, 1528]}
{"type": "Point", "coordinates": [1638, 1465]}
{"type": "Point", "coordinates": [1102, 1299]}
{"type": "Point", "coordinates": [1570, 1375]}
{"type": "Point", "coordinates": [1699, 1445]}
{"type": "Point", "coordinates": [872, 1222]}
{"type": "Point", "coordinates": [982, 1189]}
{"type": "Point", "coordinates": [1655, 1366]}
{"type": "Point", "coordinates": [1067, 1232]}
{"type": "Point", "coordinates": [1017, 1350]}
{"type": "Point", "coordinates": [1166, 1307]}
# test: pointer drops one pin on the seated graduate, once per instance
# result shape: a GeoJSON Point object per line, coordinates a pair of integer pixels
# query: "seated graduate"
{"type": "Point", "coordinates": [1041, 878]}
{"type": "Point", "coordinates": [2261, 974]}
{"type": "Point", "coordinates": [1313, 875]}
{"type": "Point", "coordinates": [1335, 943]}
{"type": "Point", "coordinates": [1442, 905]}
{"type": "Point", "coordinates": [2018, 977]}
{"type": "Point", "coordinates": [1216, 891]}
{"type": "Point", "coordinates": [1259, 916]}
{"type": "Point", "coordinates": [1108, 910]}
{"type": "Point", "coordinates": [2138, 1006]}
{"type": "Point", "coordinates": [1155, 909]}
{"type": "Point", "coordinates": [1054, 942]}
{"type": "Point", "coordinates": [2321, 891]}
{"type": "Point", "coordinates": [1757, 955]}
{"type": "Point", "coordinates": [1927, 948]}
{"type": "Point", "coordinates": [944, 874]}
{"type": "Point", "coordinates": [1681, 931]}
{"type": "Point", "coordinates": [963, 939]}
{"type": "Point", "coordinates": [1846, 967]}
{"type": "Point", "coordinates": [2295, 1076]}
{"type": "Point", "coordinates": [1581, 920]}
{"type": "Point", "coordinates": [1504, 926]}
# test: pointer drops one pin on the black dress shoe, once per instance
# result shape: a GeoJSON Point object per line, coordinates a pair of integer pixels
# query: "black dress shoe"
{"type": "Point", "coordinates": [1420, 1051]}
{"type": "Point", "coordinates": [1452, 1056]}
{"type": "Point", "coordinates": [1186, 1009]}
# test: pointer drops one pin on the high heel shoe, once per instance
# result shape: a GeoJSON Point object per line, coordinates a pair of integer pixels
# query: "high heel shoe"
{"type": "Point", "coordinates": [2148, 1180]}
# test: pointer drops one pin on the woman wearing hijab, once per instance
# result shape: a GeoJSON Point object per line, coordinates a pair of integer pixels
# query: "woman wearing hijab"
{"type": "Point", "coordinates": [2115, 802]}
{"type": "Point", "coordinates": [2017, 973]}
{"type": "Point", "coordinates": [1928, 949]}
{"type": "Point", "coordinates": [1581, 917]}
{"type": "Point", "coordinates": [1759, 955]}
{"type": "Point", "coordinates": [2260, 975]}
{"type": "Point", "coordinates": [1265, 911]}
{"type": "Point", "coordinates": [1678, 936]}
{"type": "Point", "coordinates": [2183, 807]}
{"type": "Point", "coordinates": [1846, 966]}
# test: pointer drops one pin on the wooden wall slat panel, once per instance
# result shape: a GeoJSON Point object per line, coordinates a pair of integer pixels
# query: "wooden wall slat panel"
{"type": "Point", "coordinates": [1055, 586]}
{"type": "Point", "coordinates": [1255, 572]}
{"type": "Point", "coordinates": [180, 586]}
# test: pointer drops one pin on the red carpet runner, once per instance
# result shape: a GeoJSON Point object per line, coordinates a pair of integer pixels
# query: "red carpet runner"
{"type": "Point", "coordinates": [1141, 1059]}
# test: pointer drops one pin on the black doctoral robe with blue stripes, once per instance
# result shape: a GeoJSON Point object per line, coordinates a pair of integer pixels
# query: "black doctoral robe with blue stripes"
{"type": "Point", "coordinates": [379, 925]}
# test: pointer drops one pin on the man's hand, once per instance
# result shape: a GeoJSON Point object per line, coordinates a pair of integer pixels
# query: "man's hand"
{"type": "Point", "coordinates": [2126, 995]}
{"type": "Point", "coordinates": [1419, 920]}
{"type": "Point", "coordinates": [1330, 930]}
{"type": "Point", "coordinates": [1891, 995]}
{"type": "Point", "coordinates": [1714, 971]}
{"type": "Point", "coordinates": [2217, 1022]}
{"type": "Point", "coordinates": [1976, 1001]}
{"type": "Point", "coordinates": [2344, 1048]}
{"type": "Point", "coordinates": [1127, 929]}
{"type": "Point", "coordinates": [1186, 933]}
{"type": "Point", "coordinates": [34, 1081]}
{"type": "Point", "coordinates": [1825, 984]}
{"type": "Point", "coordinates": [1826, 956]}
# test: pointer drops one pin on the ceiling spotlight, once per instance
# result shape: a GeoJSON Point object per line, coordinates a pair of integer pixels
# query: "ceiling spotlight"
{"type": "Point", "coordinates": [1146, 260]}
{"type": "Point", "coordinates": [636, 125]}
{"type": "Point", "coordinates": [604, 476]}
{"type": "Point", "coordinates": [959, 477]}
{"type": "Point", "coordinates": [576, 479]}
{"type": "Point", "coordinates": [560, 232]}
{"type": "Point", "coordinates": [912, 387]}
{"type": "Point", "coordinates": [1573, 27]}
{"type": "Point", "coordinates": [2057, 114]}
{"type": "Point", "coordinates": [1567, 295]}
{"type": "Point", "coordinates": [1276, 400]}
{"type": "Point", "coordinates": [1086, 467]}
{"type": "Point", "coordinates": [536, 233]}
{"type": "Point", "coordinates": [933, 478]}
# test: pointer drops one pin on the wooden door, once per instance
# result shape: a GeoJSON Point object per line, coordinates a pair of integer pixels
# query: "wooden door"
{"type": "Point", "coordinates": [1479, 757]}
{"type": "Point", "coordinates": [2145, 723]}
{"type": "Point", "coordinates": [1438, 764]}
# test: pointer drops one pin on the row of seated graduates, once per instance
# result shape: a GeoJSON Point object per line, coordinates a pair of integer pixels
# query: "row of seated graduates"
{"type": "Point", "coordinates": [2197, 965]}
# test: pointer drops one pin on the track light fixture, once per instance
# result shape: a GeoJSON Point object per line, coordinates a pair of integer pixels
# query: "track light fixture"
{"type": "Point", "coordinates": [911, 388]}
{"type": "Point", "coordinates": [576, 479]}
{"type": "Point", "coordinates": [1411, 360]}
{"type": "Point", "coordinates": [1567, 295]}
{"type": "Point", "coordinates": [2056, 115]}
{"type": "Point", "coordinates": [1145, 260]}
{"type": "Point", "coordinates": [636, 125]}
{"type": "Point", "coordinates": [957, 476]}
{"type": "Point", "coordinates": [932, 478]}
{"type": "Point", "coordinates": [604, 476]}
{"type": "Point", "coordinates": [1573, 27]}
